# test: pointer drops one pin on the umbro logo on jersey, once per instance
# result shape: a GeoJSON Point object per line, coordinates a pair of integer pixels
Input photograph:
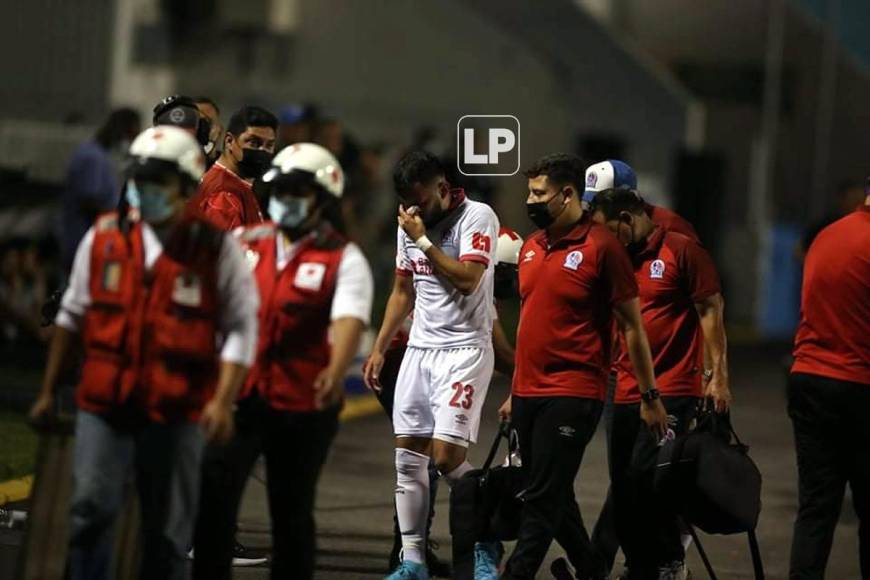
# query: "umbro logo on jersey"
{"type": "Point", "coordinates": [529, 255]}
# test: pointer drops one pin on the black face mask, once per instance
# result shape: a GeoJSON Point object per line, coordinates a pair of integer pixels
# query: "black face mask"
{"type": "Point", "coordinates": [539, 213]}
{"type": "Point", "coordinates": [506, 282]}
{"type": "Point", "coordinates": [254, 163]}
{"type": "Point", "coordinates": [203, 130]}
{"type": "Point", "coordinates": [634, 247]}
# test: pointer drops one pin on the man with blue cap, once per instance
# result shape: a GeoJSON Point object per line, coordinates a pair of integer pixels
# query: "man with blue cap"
{"type": "Point", "coordinates": [614, 174]}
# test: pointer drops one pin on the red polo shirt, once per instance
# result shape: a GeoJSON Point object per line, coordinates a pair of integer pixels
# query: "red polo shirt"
{"type": "Point", "coordinates": [226, 200]}
{"type": "Point", "coordinates": [568, 291]}
{"type": "Point", "coordinates": [670, 221]}
{"type": "Point", "coordinates": [673, 273]}
{"type": "Point", "coordinates": [833, 338]}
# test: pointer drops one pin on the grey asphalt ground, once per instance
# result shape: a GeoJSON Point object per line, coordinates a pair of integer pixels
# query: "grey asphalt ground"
{"type": "Point", "coordinates": [354, 504]}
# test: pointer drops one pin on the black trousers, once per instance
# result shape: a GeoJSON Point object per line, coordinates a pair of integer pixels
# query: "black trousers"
{"type": "Point", "coordinates": [553, 434]}
{"type": "Point", "coordinates": [295, 446]}
{"type": "Point", "coordinates": [832, 439]}
{"type": "Point", "coordinates": [604, 534]}
{"type": "Point", "coordinates": [648, 533]}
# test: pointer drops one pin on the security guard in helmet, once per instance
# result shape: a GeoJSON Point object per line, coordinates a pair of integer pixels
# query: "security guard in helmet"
{"type": "Point", "coordinates": [149, 293]}
{"type": "Point", "coordinates": [315, 301]}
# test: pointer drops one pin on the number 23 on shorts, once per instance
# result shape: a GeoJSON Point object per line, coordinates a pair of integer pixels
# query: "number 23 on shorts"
{"type": "Point", "coordinates": [459, 390]}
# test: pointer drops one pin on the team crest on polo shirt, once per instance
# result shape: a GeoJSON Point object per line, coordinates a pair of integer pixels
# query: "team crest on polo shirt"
{"type": "Point", "coordinates": [573, 260]}
{"type": "Point", "coordinates": [309, 276]}
{"type": "Point", "coordinates": [657, 269]}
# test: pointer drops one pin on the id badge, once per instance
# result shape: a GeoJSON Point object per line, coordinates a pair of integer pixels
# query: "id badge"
{"type": "Point", "coordinates": [112, 276]}
{"type": "Point", "coordinates": [188, 290]}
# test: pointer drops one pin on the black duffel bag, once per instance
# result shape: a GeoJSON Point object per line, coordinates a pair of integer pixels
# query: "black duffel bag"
{"type": "Point", "coordinates": [707, 477]}
{"type": "Point", "coordinates": [485, 504]}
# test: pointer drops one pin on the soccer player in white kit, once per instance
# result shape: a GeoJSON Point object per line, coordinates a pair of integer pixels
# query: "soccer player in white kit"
{"type": "Point", "coordinates": [444, 272]}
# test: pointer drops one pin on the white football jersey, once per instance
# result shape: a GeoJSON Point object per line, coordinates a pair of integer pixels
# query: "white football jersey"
{"type": "Point", "coordinates": [443, 317]}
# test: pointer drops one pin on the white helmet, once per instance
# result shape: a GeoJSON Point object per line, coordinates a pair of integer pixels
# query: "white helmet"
{"type": "Point", "coordinates": [507, 249]}
{"type": "Point", "coordinates": [312, 159]}
{"type": "Point", "coordinates": [171, 148]}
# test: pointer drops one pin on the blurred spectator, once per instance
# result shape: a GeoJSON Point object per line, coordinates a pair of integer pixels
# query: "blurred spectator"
{"type": "Point", "coordinates": [92, 183]}
{"type": "Point", "coordinates": [330, 133]}
{"type": "Point", "coordinates": [848, 196]}
{"type": "Point", "coordinates": [23, 283]}
{"type": "Point", "coordinates": [209, 109]}
{"type": "Point", "coordinates": [295, 124]}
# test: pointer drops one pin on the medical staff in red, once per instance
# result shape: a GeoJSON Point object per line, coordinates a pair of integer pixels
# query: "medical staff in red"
{"type": "Point", "coordinates": [829, 392]}
{"type": "Point", "coordinates": [574, 280]}
{"type": "Point", "coordinates": [681, 306]}
{"type": "Point", "coordinates": [316, 294]}
{"type": "Point", "coordinates": [150, 293]}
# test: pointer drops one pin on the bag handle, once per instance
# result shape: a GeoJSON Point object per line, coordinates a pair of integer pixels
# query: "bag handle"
{"type": "Point", "coordinates": [503, 432]}
{"type": "Point", "coordinates": [701, 551]}
{"type": "Point", "coordinates": [754, 551]}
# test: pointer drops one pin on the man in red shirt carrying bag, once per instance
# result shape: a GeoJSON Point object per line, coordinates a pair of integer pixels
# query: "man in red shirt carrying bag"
{"type": "Point", "coordinates": [829, 392]}
{"type": "Point", "coordinates": [150, 292]}
{"type": "Point", "coordinates": [575, 278]}
{"type": "Point", "coordinates": [681, 307]}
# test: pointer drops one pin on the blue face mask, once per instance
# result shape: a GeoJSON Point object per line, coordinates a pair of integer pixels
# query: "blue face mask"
{"type": "Point", "coordinates": [289, 212]}
{"type": "Point", "coordinates": [151, 200]}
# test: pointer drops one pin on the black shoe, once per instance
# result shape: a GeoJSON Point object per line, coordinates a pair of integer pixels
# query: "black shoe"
{"type": "Point", "coordinates": [437, 567]}
{"type": "Point", "coordinates": [243, 557]}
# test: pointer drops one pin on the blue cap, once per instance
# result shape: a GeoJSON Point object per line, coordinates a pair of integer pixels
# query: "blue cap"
{"type": "Point", "coordinates": [291, 114]}
{"type": "Point", "coordinates": [608, 174]}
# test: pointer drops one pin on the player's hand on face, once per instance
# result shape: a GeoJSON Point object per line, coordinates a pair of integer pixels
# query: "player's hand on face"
{"type": "Point", "coordinates": [372, 371]}
{"type": "Point", "coordinates": [328, 389]}
{"type": "Point", "coordinates": [504, 412]}
{"type": "Point", "coordinates": [411, 222]}
{"type": "Point", "coordinates": [656, 418]}
{"type": "Point", "coordinates": [217, 422]}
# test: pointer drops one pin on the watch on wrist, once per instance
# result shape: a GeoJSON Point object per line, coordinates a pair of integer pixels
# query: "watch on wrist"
{"type": "Point", "coordinates": [650, 395]}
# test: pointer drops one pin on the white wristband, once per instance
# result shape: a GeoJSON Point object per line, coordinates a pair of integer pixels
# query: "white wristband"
{"type": "Point", "coordinates": [423, 243]}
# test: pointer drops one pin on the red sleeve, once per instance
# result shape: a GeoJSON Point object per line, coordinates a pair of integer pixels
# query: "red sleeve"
{"type": "Point", "coordinates": [617, 271]}
{"type": "Point", "coordinates": [223, 210]}
{"type": "Point", "coordinates": [701, 278]}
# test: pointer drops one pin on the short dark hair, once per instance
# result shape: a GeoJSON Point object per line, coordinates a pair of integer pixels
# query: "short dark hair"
{"type": "Point", "coordinates": [251, 116]}
{"type": "Point", "coordinates": [118, 125]}
{"type": "Point", "coordinates": [207, 101]}
{"type": "Point", "coordinates": [416, 167]}
{"type": "Point", "coordinates": [561, 169]}
{"type": "Point", "coordinates": [612, 202]}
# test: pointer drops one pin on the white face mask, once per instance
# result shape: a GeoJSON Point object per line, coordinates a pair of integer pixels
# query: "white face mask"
{"type": "Point", "coordinates": [289, 212]}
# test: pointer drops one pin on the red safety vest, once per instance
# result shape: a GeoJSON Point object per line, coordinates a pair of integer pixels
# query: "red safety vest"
{"type": "Point", "coordinates": [294, 316]}
{"type": "Point", "coordinates": [150, 337]}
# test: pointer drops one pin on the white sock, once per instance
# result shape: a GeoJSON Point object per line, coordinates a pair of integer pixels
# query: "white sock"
{"type": "Point", "coordinates": [457, 473]}
{"type": "Point", "coordinates": [412, 502]}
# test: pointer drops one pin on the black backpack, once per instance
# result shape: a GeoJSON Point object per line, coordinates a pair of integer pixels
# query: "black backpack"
{"type": "Point", "coordinates": [708, 478]}
{"type": "Point", "coordinates": [485, 505]}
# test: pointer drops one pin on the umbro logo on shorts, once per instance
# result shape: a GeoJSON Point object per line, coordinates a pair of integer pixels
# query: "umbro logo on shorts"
{"type": "Point", "coordinates": [461, 419]}
{"type": "Point", "coordinates": [567, 431]}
